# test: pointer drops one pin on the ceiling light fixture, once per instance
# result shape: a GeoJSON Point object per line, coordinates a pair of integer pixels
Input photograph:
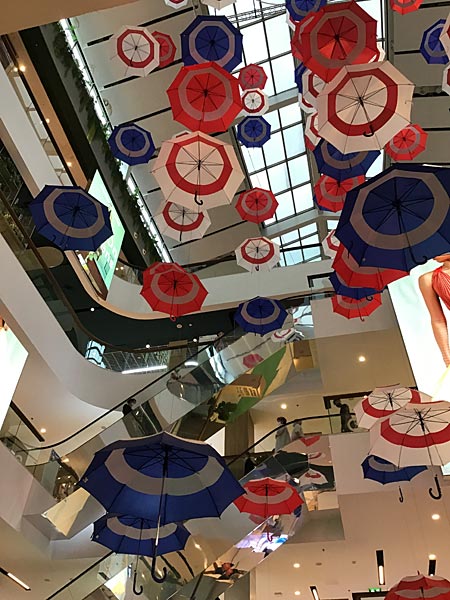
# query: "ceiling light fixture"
{"type": "Point", "coordinates": [92, 309]}
{"type": "Point", "coordinates": [380, 567]}
{"type": "Point", "coordinates": [22, 68]}
{"type": "Point", "coordinates": [361, 359]}
{"type": "Point", "coordinates": [296, 565]}
{"type": "Point", "coordinates": [69, 164]}
{"type": "Point", "coordinates": [297, 593]}
{"type": "Point", "coordinates": [43, 430]}
{"type": "Point", "coordinates": [314, 592]}
{"type": "Point", "coordinates": [145, 369]}
{"type": "Point", "coordinates": [283, 406]}
{"type": "Point", "coordinates": [191, 363]}
{"type": "Point", "coordinates": [435, 517]}
{"type": "Point", "coordinates": [23, 585]}
{"type": "Point", "coordinates": [432, 564]}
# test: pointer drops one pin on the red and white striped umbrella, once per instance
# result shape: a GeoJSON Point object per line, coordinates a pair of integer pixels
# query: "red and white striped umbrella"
{"type": "Point", "coordinates": [407, 143]}
{"type": "Point", "coordinates": [176, 3]}
{"type": "Point", "coordinates": [331, 244]}
{"type": "Point", "coordinates": [252, 77]}
{"type": "Point", "coordinates": [330, 193]}
{"type": "Point", "coordinates": [385, 401]}
{"type": "Point", "coordinates": [364, 106]}
{"type": "Point", "coordinates": [306, 106]}
{"type": "Point", "coordinates": [351, 308]}
{"type": "Point", "coordinates": [258, 254]}
{"type": "Point", "coordinates": [267, 497]}
{"type": "Point", "coordinates": [419, 587]}
{"type": "Point", "coordinates": [181, 223]}
{"type": "Point", "coordinates": [312, 86]}
{"type": "Point", "coordinates": [136, 50]}
{"type": "Point", "coordinates": [296, 42]}
{"type": "Point", "coordinates": [312, 478]}
{"type": "Point", "coordinates": [312, 137]}
{"type": "Point", "coordinates": [446, 80]}
{"type": "Point", "coordinates": [195, 169]}
{"type": "Point", "coordinates": [256, 205]}
{"type": "Point", "coordinates": [444, 38]}
{"type": "Point", "coordinates": [167, 48]}
{"type": "Point", "coordinates": [255, 102]}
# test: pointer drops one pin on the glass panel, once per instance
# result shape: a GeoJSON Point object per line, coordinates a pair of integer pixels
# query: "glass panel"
{"type": "Point", "coordinates": [294, 140]}
{"type": "Point", "coordinates": [286, 206]}
{"type": "Point", "coordinates": [254, 43]}
{"type": "Point", "coordinates": [290, 114]}
{"type": "Point", "coordinates": [283, 68]}
{"type": "Point", "coordinates": [279, 178]}
{"type": "Point", "coordinates": [273, 149]}
{"type": "Point", "coordinates": [254, 158]}
{"type": "Point", "coordinates": [279, 42]}
{"type": "Point", "coordinates": [303, 198]}
{"type": "Point", "coordinates": [298, 169]}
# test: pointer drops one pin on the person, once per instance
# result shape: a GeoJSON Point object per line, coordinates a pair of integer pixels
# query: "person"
{"type": "Point", "coordinates": [282, 436]}
{"type": "Point", "coordinates": [297, 430]}
{"type": "Point", "coordinates": [249, 465]}
{"type": "Point", "coordinates": [346, 416]}
{"type": "Point", "coordinates": [128, 407]}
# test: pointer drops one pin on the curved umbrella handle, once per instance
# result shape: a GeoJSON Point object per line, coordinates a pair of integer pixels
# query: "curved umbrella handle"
{"type": "Point", "coordinates": [136, 591]}
{"type": "Point", "coordinates": [155, 576]}
{"type": "Point", "coordinates": [372, 132]}
{"type": "Point", "coordinates": [400, 495]}
{"type": "Point", "coordinates": [438, 495]}
{"type": "Point", "coordinates": [198, 201]}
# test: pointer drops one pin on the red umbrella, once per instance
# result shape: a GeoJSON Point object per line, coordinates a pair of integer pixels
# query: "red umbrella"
{"type": "Point", "coordinates": [268, 497]}
{"type": "Point", "coordinates": [338, 35]}
{"type": "Point", "coordinates": [330, 193]}
{"type": "Point", "coordinates": [252, 77]}
{"type": "Point", "coordinates": [205, 97]}
{"type": "Point", "coordinates": [312, 137]}
{"type": "Point", "coordinates": [405, 6]}
{"type": "Point", "coordinates": [167, 48]}
{"type": "Point", "coordinates": [350, 308]}
{"type": "Point", "coordinates": [168, 288]}
{"type": "Point", "coordinates": [420, 586]}
{"type": "Point", "coordinates": [256, 205]}
{"type": "Point", "coordinates": [296, 42]}
{"type": "Point", "coordinates": [407, 143]}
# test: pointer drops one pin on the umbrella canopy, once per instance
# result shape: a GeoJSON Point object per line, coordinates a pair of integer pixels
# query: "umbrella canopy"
{"type": "Point", "coordinates": [137, 50]}
{"type": "Point", "coordinates": [334, 163]}
{"type": "Point", "coordinates": [258, 254]}
{"type": "Point", "coordinates": [255, 102]}
{"type": "Point", "coordinates": [312, 137]}
{"type": "Point", "coordinates": [171, 290]}
{"type": "Point", "coordinates": [253, 132]}
{"type": "Point", "coordinates": [176, 3]}
{"type": "Point", "coordinates": [267, 497]}
{"type": "Point", "coordinates": [331, 193]}
{"type": "Point", "coordinates": [71, 218]}
{"type": "Point", "coordinates": [343, 289]}
{"type": "Point", "coordinates": [350, 308]}
{"type": "Point", "coordinates": [256, 205]}
{"type": "Point", "coordinates": [181, 223]}
{"type": "Point", "coordinates": [339, 35]}
{"type": "Point", "coordinates": [252, 77]}
{"type": "Point", "coordinates": [125, 534]}
{"type": "Point", "coordinates": [331, 244]}
{"type": "Point", "coordinates": [382, 471]}
{"type": "Point", "coordinates": [420, 586]}
{"type": "Point", "coordinates": [210, 38]}
{"type": "Point", "coordinates": [167, 48]}
{"type": "Point", "coordinates": [260, 315]}
{"type": "Point", "coordinates": [404, 212]}
{"type": "Point", "coordinates": [218, 4]}
{"type": "Point", "coordinates": [385, 401]}
{"type": "Point", "coordinates": [311, 479]}
{"type": "Point", "coordinates": [405, 6]}
{"type": "Point", "coordinates": [407, 143]}
{"type": "Point", "coordinates": [296, 41]}
{"type": "Point", "coordinates": [298, 76]}
{"type": "Point", "coordinates": [445, 36]}
{"type": "Point", "coordinates": [131, 144]}
{"type": "Point", "coordinates": [446, 80]}
{"type": "Point", "coordinates": [205, 98]}
{"type": "Point", "coordinates": [312, 86]}
{"type": "Point", "coordinates": [285, 336]}
{"type": "Point", "coordinates": [195, 169]}
{"type": "Point", "coordinates": [299, 9]}
{"type": "Point", "coordinates": [364, 106]}
{"type": "Point", "coordinates": [431, 47]}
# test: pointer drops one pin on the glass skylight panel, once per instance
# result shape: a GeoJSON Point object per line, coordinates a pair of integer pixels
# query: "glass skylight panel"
{"type": "Point", "coordinates": [294, 141]}
{"type": "Point", "coordinates": [279, 42]}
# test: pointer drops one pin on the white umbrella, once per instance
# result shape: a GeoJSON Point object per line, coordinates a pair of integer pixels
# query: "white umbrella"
{"type": "Point", "coordinates": [384, 401]}
{"type": "Point", "coordinates": [135, 50]}
{"type": "Point", "coordinates": [181, 223]}
{"type": "Point", "coordinates": [258, 254]}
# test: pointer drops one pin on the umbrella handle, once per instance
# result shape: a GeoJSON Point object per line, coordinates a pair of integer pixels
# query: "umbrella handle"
{"type": "Point", "coordinates": [198, 201]}
{"type": "Point", "coordinates": [400, 495]}
{"type": "Point", "coordinates": [136, 591]}
{"type": "Point", "coordinates": [372, 132]}
{"type": "Point", "coordinates": [156, 577]}
{"type": "Point", "coordinates": [438, 495]}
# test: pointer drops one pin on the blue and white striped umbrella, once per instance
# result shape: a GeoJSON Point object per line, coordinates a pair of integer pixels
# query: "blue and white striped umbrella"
{"type": "Point", "coordinates": [351, 292]}
{"type": "Point", "coordinates": [131, 144]}
{"type": "Point", "coordinates": [431, 48]}
{"type": "Point", "coordinates": [260, 315]}
{"type": "Point", "coordinates": [299, 9]}
{"type": "Point", "coordinates": [384, 472]}
{"type": "Point", "coordinates": [253, 132]}
{"type": "Point", "coordinates": [332, 162]}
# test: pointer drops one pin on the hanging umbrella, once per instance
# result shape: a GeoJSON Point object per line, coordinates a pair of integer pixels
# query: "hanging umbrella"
{"type": "Point", "coordinates": [296, 41]}
{"type": "Point", "coordinates": [218, 4]}
{"type": "Point", "coordinates": [299, 9]}
{"type": "Point", "coordinates": [258, 254]}
{"type": "Point", "coordinates": [339, 35]}
{"type": "Point", "coordinates": [355, 275]}
{"type": "Point", "coordinates": [210, 38]}
{"type": "Point", "coordinates": [298, 76]}
{"type": "Point", "coordinates": [382, 471]}
{"type": "Point", "coordinates": [172, 290]}
{"type": "Point", "coordinates": [385, 401]}
{"type": "Point", "coordinates": [420, 586]}
{"type": "Point", "coordinates": [312, 479]}
{"type": "Point", "coordinates": [445, 36]}
{"type": "Point", "coordinates": [285, 336]}
{"type": "Point", "coordinates": [312, 86]}
{"type": "Point", "coordinates": [253, 132]}
{"type": "Point", "coordinates": [71, 218]}
{"type": "Point", "coordinates": [350, 308]}
{"type": "Point", "coordinates": [332, 162]}
{"type": "Point", "coordinates": [446, 80]}
{"type": "Point", "coordinates": [331, 244]}
{"type": "Point", "coordinates": [167, 48]}
{"type": "Point", "coordinates": [431, 47]}
{"type": "Point", "coordinates": [268, 497]}
{"type": "Point", "coordinates": [399, 218]}
{"type": "Point", "coordinates": [195, 169]}
{"type": "Point", "coordinates": [181, 223]}
{"type": "Point", "coordinates": [252, 77]}
{"type": "Point", "coordinates": [405, 6]}
{"type": "Point", "coordinates": [260, 315]}
{"type": "Point", "coordinates": [205, 98]}
{"type": "Point", "coordinates": [331, 193]}
{"type": "Point", "coordinates": [176, 3]}
{"type": "Point", "coordinates": [305, 105]}
{"type": "Point", "coordinates": [364, 106]}
{"type": "Point", "coordinates": [351, 292]}
{"type": "Point", "coordinates": [312, 137]}
{"type": "Point", "coordinates": [255, 102]}
{"type": "Point", "coordinates": [137, 49]}
{"type": "Point", "coordinates": [407, 143]}
{"type": "Point", "coordinates": [256, 205]}
{"type": "Point", "coordinates": [131, 144]}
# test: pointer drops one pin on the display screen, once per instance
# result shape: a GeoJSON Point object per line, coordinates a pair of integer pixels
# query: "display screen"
{"type": "Point", "coordinates": [12, 360]}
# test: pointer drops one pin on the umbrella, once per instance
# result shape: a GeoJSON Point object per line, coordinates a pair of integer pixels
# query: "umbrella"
{"type": "Point", "coordinates": [218, 4]}
{"type": "Point", "coordinates": [299, 9]}
{"type": "Point", "coordinates": [331, 244]}
{"type": "Point", "coordinates": [350, 308]}
{"type": "Point", "coordinates": [161, 477]}
{"type": "Point", "coordinates": [210, 38]}
{"type": "Point", "coordinates": [205, 98]}
{"type": "Point", "coordinates": [181, 223]}
{"type": "Point", "coordinates": [355, 275]}
{"type": "Point", "coordinates": [431, 47]}
{"type": "Point", "coordinates": [445, 36]}
{"type": "Point", "coordinates": [405, 6]}
{"type": "Point", "coordinates": [195, 169]}
{"type": "Point", "coordinates": [255, 102]}
{"type": "Point", "coordinates": [71, 218]}
{"type": "Point", "coordinates": [253, 132]}
{"type": "Point", "coordinates": [331, 161]}
{"type": "Point", "coordinates": [351, 292]}
{"type": "Point", "coordinates": [170, 289]}
{"type": "Point", "coordinates": [252, 77]}
{"type": "Point", "coordinates": [312, 137]}
{"type": "Point", "coordinates": [331, 193]}
{"type": "Point", "coordinates": [176, 3]}
{"type": "Point", "coordinates": [384, 472]}
{"type": "Point", "coordinates": [296, 41]}
{"type": "Point", "coordinates": [312, 86]}
{"type": "Point", "coordinates": [260, 315]}
{"type": "Point", "coordinates": [420, 586]}
{"type": "Point", "coordinates": [131, 144]}
{"type": "Point", "coordinates": [298, 76]}
{"type": "Point", "coordinates": [446, 80]}
{"type": "Point", "coordinates": [339, 35]}
{"type": "Point", "coordinates": [407, 143]}
{"type": "Point", "coordinates": [251, 360]}
{"type": "Point", "coordinates": [137, 49]}
{"type": "Point", "coordinates": [256, 205]}
{"type": "Point", "coordinates": [311, 479]}
{"type": "Point", "coordinates": [286, 336]}
{"type": "Point", "coordinates": [258, 254]}
{"type": "Point", "coordinates": [399, 218]}
{"type": "Point", "coordinates": [384, 401]}
{"type": "Point", "coordinates": [268, 497]}
{"type": "Point", "coordinates": [364, 106]}
{"type": "Point", "coordinates": [167, 48]}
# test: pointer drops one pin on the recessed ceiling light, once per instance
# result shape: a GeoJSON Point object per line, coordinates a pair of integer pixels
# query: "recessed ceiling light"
{"type": "Point", "coordinates": [47, 120]}
{"type": "Point", "coordinates": [22, 68]}
{"type": "Point", "coordinates": [43, 430]}
{"type": "Point", "coordinates": [283, 406]}
{"type": "Point", "coordinates": [435, 517]}
{"type": "Point", "coordinates": [66, 459]}
{"type": "Point", "coordinates": [432, 556]}
{"type": "Point", "coordinates": [69, 164]}
{"type": "Point", "coordinates": [147, 346]}
{"type": "Point", "coordinates": [14, 578]}
{"type": "Point", "coordinates": [361, 358]}
{"type": "Point", "coordinates": [296, 565]}
{"type": "Point", "coordinates": [297, 593]}
{"type": "Point", "coordinates": [92, 309]}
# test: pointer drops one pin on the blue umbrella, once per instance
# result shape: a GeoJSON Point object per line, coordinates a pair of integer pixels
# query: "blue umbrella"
{"type": "Point", "coordinates": [260, 315]}
{"type": "Point", "coordinates": [384, 472]}
{"type": "Point", "coordinates": [331, 161]}
{"type": "Point", "coordinates": [431, 48]}
{"type": "Point", "coordinates": [253, 132]}
{"type": "Point", "coordinates": [298, 75]}
{"type": "Point", "coordinates": [299, 9]}
{"type": "Point", "coordinates": [399, 218]}
{"type": "Point", "coordinates": [351, 292]}
{"type": "Point", "coordinates": [131, 144]}
{"type": "Point", "coordinates": [71, 218]}
{"type": "Point", "coordinates": [210, 38]}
